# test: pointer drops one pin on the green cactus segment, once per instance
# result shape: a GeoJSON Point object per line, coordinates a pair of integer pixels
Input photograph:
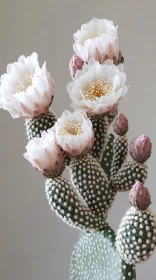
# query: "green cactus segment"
{"type": "Point", "coordinates": [95, 258]}
{"type": "Point", "coordinates": [67, 158]}
{"type": "Point", "coordinates": [91, 182]}
{"type": "Point", "coordinates": [100, 127]}
{"type": "Point", "coordinates": [111, 115]}
{"type": "Point", "coordinates": [129, 173]}
{"type": "Point", "coordinates": [108, 156]}
{"type": "Point", "coordinates": [65, 202]}
{"type": "Point", "coordinates": [136, 236]}
{"type": "Point", "coordinates": [36, 126]}
{"type": "Point", "coordinates": [120, 150]}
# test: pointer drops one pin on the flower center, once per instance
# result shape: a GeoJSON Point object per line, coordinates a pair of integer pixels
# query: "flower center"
{"type": "Point", "coordinates": [25, 83]}
{"type": "Point", "coordinates": [92, 35]}
{"type": "Point", "coordinates": [96, 35]}
{"type": "Point", "coordinates": [97, 89]}
{"type": "Point", "coordinates": [71, 128]}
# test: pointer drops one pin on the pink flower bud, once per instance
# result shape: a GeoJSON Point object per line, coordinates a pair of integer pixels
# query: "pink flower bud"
{"type": "Point", "coordinates": [140, 148]}
{"type": "Point", "coordinates": [76, 63]}
{"type": "Point", "coordinates": [121, 125]}
{"type": "Point", "coordinates": [139, 196]}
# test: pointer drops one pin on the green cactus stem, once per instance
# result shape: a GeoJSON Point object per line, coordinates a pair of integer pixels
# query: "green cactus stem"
{"type": "Point", "coordinates": [65, 202]}
{"type": "Point", "coordinates": [95, 258]}
{"type": "Point", "coordinates": [136, 236]}
{"type": "Point", "coordinates": [120, 150]}
{"type": "Point", "coordinates": [108, 156]}
{"type": "Point", "coordinates": [111, 115]}
{"type": "Point", "coordinates": [67, 158]}
{"type": "Point", "coordinates": [92, 184]}
{"type": "Point", "coordinates": [128, 174]}
{"type": "Point", "coordinates": [100, 128]}
{"type": "Point", "coordinates": [35, 126]}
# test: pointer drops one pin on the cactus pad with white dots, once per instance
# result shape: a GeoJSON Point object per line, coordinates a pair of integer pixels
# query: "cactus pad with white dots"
{"type": "Point", "coordinates": [120, 150]}
{"type": "Point", "coordinates": [91, 182]}
{"type": "Point", "coordinates": [100, 128]}
{"type": "Point", "coordinates": [36, 126]}
{"type": "Point", "coordinates": [111, 115]}
{"type": "Point", "coordinates": [136, 236]}
{"type": "Point", "coordinates": [64, 201]}
{"type": "Point", "coordinates": [128, 174]}
{"type": "Point", "coordinates": [107, 157]}
{"type": "Point", "coordinates": [95, 258]}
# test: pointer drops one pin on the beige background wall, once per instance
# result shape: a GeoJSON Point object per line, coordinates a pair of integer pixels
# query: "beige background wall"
{"type": "Point", "coordinates": [34, 244]}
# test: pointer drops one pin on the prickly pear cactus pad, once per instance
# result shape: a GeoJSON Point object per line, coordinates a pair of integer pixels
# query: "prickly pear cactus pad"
{"type": "Point", "coordinates": [35, 126]}
{"type": "Point", "coordinates": [107, 157]}
{"type": "Point", "coordinates": [92, 142]}
{"type": "Point", "coordinates": [128, 174]}
{"type": "Point", "coordinates": [111, 115]}
{"type": "Point", "coordinates": [136, 236]}
{"type": "Point", "coordinates": [120, 150]}
{"type": "Point", "coordinates": [65, 202]}
{"type": "Point", "coordinates": [90, 180]}
{"type": "Point", "coordinates": [95, 258]}
{"type": "Point", "coordinates": [100, 127]}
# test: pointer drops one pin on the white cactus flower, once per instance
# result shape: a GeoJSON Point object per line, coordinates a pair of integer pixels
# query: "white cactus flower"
{"type": "Point", "coordinates": [97, 39]}
{"type": "Point", "coordinates": [74, 133]}
{"type": "Point", "coordinates": [98, 88]}
{"type": "Point", "coordinates": [45, 155]}
{"type": "Point", "coordinates": [26, 90]}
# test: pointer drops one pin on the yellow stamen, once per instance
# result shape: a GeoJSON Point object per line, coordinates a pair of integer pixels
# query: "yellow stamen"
{"type": "Point", "coordinates": [25, 83]}
{"type": "Point", "coordinates": [97, 89]}
{"type": "Point", "coordinates": [96, 35]}
{"type": "Point", "coordinates": [72, 128]}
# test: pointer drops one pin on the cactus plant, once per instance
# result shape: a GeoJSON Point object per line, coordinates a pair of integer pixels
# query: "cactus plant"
{"type": "Point", "coordinates": [96, 157]}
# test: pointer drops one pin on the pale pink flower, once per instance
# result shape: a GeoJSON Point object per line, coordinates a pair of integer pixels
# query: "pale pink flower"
{"type": "Point", "coordinates": [26, 90]}
{"type": "Point", "coordinates": [45, 155]}
{"type": "Point", "coordinates": [97, 39]}
{"type": "Point", "coordinates": [74, 133]}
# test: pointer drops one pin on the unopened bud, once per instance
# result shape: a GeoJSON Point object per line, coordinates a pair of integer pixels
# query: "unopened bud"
{"type": "Point", "coordinates": [140, 148]}
{"type": "Point", "coordinates": [139, 197]}
{"type": "Point", "coordinates": [76, 63]}
{"type": "Point", "coordinates": [121, 125]}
